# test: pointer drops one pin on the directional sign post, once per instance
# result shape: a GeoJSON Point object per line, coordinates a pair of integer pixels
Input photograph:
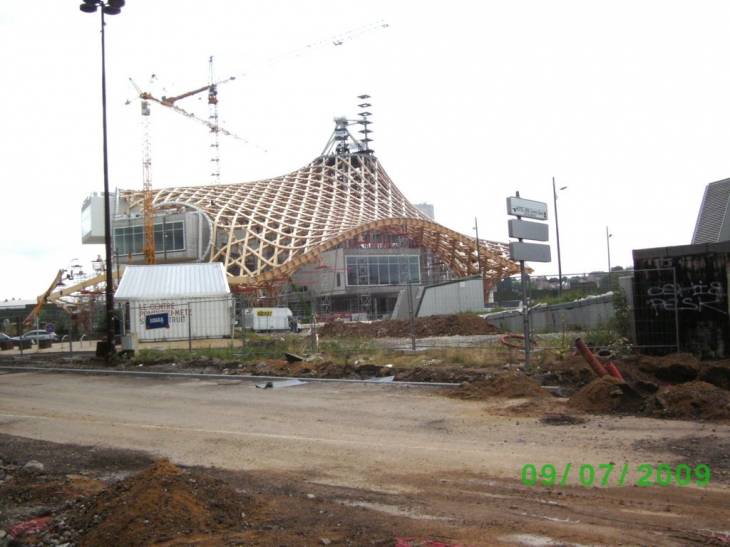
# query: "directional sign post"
{"type": "Point", "coordinates": [522, 251]}
{"type": "Point", "coordinates": [525, 208]}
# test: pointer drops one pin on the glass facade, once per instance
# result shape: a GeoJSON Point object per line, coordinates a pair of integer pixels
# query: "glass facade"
{"type": "Point", "coordinates": [130, 239]}
{"type": "Point", "coordinates": [383, 270]}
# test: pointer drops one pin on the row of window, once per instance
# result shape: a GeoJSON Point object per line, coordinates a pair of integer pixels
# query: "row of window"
{"type": "Point", "coordinates": [383, 270]}
{"type": "Point", "coordinates": [361, 270]}
{"type": "Point", "coordinates": [169, 236]}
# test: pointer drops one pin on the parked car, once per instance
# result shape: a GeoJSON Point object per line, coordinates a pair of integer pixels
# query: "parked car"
{"type": "Point", "coordinates": [36, 335]}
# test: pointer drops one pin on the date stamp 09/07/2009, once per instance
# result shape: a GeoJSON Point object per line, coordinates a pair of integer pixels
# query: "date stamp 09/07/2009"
{"type": "Point", "coordinates": [588, 475]}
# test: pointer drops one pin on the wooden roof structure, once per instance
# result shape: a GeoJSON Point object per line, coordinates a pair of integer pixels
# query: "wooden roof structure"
{"type": "Point", "coordinates": [264, 231]}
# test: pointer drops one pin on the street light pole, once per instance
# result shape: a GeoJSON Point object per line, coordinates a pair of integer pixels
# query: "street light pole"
{"type": "Point", "coordinates": [557, 238]}
{"type": "Point", "coordinates": [110, 7]}
{"type": "Point", "coordinates": [608, 249]}
{"type": "Point", "coordinates": [479, 258]}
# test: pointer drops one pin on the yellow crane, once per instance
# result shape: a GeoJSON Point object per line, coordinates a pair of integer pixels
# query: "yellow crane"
{"type": "Point", "coordinates": [42, 299]}
{"type": "Point", "coordinates": [148, 248]}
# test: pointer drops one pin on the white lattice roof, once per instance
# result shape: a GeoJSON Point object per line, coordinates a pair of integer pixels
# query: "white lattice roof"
{"type": "Point", "coordinates": [268, 229]}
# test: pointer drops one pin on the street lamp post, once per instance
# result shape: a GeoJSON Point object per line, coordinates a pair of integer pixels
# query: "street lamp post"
{"type": "Point", "coordinates": [110, 7]}
{"type": "Point", "coordinates": [557, 238]}
{"type": "Point", "coordinates": [479, 258]}
{"type": "Point", "coordinates": [608, 249]}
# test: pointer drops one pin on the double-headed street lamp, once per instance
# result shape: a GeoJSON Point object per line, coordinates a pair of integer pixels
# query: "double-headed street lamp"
{"type": "Point", "coordinates": [110, 7]}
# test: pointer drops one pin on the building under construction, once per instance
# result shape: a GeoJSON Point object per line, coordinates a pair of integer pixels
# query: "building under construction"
{"type": "Point", "coordinates": [336, 236]}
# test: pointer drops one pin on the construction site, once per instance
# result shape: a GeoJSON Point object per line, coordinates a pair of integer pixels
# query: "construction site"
{"type": "Point", "coordinates": [375, 447]}
{"type": "Point", "coordinates": [309, 360]}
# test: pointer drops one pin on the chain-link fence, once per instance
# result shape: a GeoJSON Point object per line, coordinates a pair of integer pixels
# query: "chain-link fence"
{"type": "Point", "coordinates": [254, 331]}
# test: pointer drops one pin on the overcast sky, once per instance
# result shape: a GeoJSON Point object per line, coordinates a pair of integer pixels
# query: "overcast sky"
{"type": "Point", "coordinates": [623, 102]}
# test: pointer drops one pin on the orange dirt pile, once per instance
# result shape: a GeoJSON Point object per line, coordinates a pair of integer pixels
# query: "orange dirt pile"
{"type": "Point", "coordinates": [605, 394]}
{"type": "Point", "coordinates": [510, 386]}
{"type": "Point", "coordinates": [160, 505]}
{"type": "Point", "coordinates": [691, 401]}
{"type": "Point", "coordinates": [462, 324]}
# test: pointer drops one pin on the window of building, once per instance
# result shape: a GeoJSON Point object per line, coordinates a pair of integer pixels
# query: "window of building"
{"type": "Point", "coordinates": [169, 236]}
{"type": "Point", "coordinates": [383, 270]}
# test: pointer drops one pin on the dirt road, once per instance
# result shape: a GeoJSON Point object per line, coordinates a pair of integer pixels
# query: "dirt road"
{"type": "Point", "coordinates": [408, 451]}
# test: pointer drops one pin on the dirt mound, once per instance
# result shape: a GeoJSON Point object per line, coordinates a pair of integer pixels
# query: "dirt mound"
{"type": "Point", "coordinates": [690, 401]}
{"type": "Point", "coordinates": [716, 373]}
{"type": "Point", "coordinates": [676, 368]}
{"type": "Point", "coordinates": [606, 394]}
{"type": "Point", "coordinates": [462, 324]}
{"type": "Point", "coordinates": [511, 386]}
{"type": "Point", "coordinates": [160, 504]}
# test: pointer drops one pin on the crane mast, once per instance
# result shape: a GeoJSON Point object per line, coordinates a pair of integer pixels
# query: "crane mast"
{"type": "Point", "coordinates": [148, 248]}
{"type": "Point", "coordinates": [212, 89]}
{"type": "Point", "coordinates": [213, 119]}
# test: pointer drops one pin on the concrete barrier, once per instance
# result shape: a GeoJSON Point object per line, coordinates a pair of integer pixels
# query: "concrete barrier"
{"type": "Point", "coordinates": [584, 314]}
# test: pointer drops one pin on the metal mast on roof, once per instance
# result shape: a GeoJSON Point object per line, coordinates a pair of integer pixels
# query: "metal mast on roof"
{"type": "Point", "coordinates": [366, 140]}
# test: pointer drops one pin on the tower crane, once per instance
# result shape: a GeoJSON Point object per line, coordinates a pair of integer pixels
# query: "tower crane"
{"type": "Point", "coordinates": [212, 87]}
{"type": "Point", "coordinates": [148, 248]}
{"type": "Point", "coordinates": [211, 123]}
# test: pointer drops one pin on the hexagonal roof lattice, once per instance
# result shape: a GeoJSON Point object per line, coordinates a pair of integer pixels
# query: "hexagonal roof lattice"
{"type": "Point", "coordinates": [265, 230]}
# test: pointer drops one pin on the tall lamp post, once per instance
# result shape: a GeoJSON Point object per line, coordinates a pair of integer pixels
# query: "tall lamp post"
{"type": "Point", "coordinates": [608, 249]}
{"type": "Point", "coordinates": [479, 258]}
{"type": "Point", "coordinates": [557, 238]}
{"type": "Point", "coordinates": [110, 7]}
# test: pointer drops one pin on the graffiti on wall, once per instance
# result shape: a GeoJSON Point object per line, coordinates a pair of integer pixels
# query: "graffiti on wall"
{"type": "Point", "coordinates": [693, 297]}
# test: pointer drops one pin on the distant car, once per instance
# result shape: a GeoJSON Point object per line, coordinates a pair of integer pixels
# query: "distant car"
{"type": "Point", "coordinates": [4, 337]}
{"type": "Point", "coordinates": [36, 335]}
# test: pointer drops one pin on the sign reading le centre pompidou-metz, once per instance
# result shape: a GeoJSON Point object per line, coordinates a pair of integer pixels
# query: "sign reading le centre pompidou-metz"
{"type": "Point", "coordinates": [157, 321]}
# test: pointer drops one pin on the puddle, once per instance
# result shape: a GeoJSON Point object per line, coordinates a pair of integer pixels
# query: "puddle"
{"type": "Point", "coordinates": [362, 483]}
{"type": "Point", "coordinates": [530, 540]}
{"type": "Point", "coordinates": [653, 513]}
{"type": "Point", "coordinates": [394, 510]}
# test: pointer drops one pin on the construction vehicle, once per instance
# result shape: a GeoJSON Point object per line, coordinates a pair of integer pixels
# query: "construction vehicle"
{"type": "Point", "coordinates": [270, 320]}
{"type": "Point", "coordinates": [42, 299]}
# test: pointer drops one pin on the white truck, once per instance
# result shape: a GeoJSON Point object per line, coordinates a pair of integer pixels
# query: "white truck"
{"type": "Point", "coordinates": [271, 320]}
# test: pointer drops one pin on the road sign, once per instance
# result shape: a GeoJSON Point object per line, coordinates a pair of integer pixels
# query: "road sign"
{"type": "Point", "coordinates": [50, 327]}
{"type": "Point", "coordinates": [518, 207]}
{"type": "Point", "coordinates": [529, 252]}
{"type": "Point", "coordinates": [523, 229]}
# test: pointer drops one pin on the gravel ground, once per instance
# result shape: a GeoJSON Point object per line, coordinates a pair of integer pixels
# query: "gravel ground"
{"type": "Point", "coordinates": [352, 464]}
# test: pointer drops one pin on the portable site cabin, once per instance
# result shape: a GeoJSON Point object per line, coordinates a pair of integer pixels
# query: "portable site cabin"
{"type": "Point", "coordinates": [176, 301]}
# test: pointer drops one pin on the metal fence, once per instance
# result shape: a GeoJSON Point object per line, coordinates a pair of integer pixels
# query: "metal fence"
{"type": "Point", "coordinates": [656, 300]}
{"type": "Point", "coordinates": [183, 323]}
{"type": "Point", "coordinates": [178, 319]}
